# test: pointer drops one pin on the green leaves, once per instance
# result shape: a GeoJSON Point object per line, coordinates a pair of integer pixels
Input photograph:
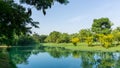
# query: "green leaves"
{"type": "Point", "coordinates": [102, 26]}
{"type": "Point", "coordinates": [53, 37]}
{"type": "Point", "coordinates": [14, 20]}
{"type": "Point", "coordinates": [43, 4]}
{"type": "Point", "coordinates": [75, 40]}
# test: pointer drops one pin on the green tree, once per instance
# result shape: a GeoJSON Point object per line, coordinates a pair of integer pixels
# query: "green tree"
{"type": "Point", "coordinates": [14, 18]}
{"type": "Point", "coordinates": [106, 40]}
{"type": "Point", "coordinates": [74, 35]}
{"type": "Point", "coordinates": [84, 33]}
{"type": "Point", "coordinates": [54, 37]}
{"type": "Point", "coordinates": [102, 26]}
{"type": "Point", "coordinates": [75, 41]}
{"type": "Point", "coordinates": [26, 40]}
{"type": "Point", "coordinates": [118, 29]}
{"type": "Point", "coordinates": [116, 34]}
{"type": "Point", "coordinates": [42, 38]}
{"type": "Point", "coordinates": [43, 4]}
{"type": "Point", "coordinates": [36, 37]}
{"type": "Point", "coordinates": [89, 41]}
{"type": "Point", "coordinates": [64, 38]}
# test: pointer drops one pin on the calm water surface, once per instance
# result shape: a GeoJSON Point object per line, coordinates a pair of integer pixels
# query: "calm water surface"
{"type": "Point", "coordinates": [50, 57]}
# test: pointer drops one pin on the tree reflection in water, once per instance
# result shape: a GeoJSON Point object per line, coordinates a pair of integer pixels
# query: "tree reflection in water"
{"type": "Point", "coordinates": [20, 55]}
{"type": "Point", "coordinates": [5, 61]}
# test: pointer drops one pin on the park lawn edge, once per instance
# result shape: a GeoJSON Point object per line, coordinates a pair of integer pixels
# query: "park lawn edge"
{"type": "Point", "coordinates": [83, 47]}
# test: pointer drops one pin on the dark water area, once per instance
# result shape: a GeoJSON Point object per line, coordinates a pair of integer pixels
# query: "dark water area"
{"type": "Point", "coordinates": [54, 57]}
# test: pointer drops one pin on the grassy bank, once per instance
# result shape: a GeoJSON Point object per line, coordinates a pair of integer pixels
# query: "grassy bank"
{"type": "Point", "coordinates": [83, 47]}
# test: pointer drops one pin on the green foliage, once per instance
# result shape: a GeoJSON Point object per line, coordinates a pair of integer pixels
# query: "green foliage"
{"type": "Point", "coordinates": [116, 34]}
{"type": "Point", "coordinates": [36, 37]}
{"type": "Point", "coordinates": [100, 38]}
{"type": "Point", "coordinates": [5, 60]}
{"type": "Point", "coordinates": [54, 37]}
{"type": "Point", "coordinates": [74, 35]}
{"type": "Point", "coordinates": [26, 40]}
{"type": "Point", "coordinates": [102, 26]}
{"type": "Point", "coordinates": [84, 33]}
{"type": "Point", "coordinates": [64, 38]}
{"type": "Point", "coordinates": [14, 18]}
{"type": "Point", "coordinates": [89, 41]}
{"type": "Point", "coordinates": [42, 38]}
{"type": "Point", "coordinates": [75, 41]}
{"type": "Point", "coordinates": [57, 37]}
{"type": "Point", "coordinates": [106, 40]}
{"type": "Point", "coordinates": [43, 4]}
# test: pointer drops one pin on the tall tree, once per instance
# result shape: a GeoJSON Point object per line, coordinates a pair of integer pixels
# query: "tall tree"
{"type": "Point", "coordinates": [102, 26]}
{"type": "Point", "coordinates": [43, 4]}
{"type": "Point", "coordinates": [14, 18]}
{"type": "Point", "coordinates": [54, 37]}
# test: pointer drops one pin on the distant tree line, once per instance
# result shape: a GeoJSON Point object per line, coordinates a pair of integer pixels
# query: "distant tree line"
{"type": "Point", "coordinates": [100, 32]}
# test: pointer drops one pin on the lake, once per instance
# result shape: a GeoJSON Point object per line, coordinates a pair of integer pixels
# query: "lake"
{"type": "Point", "coordinates": [55, 57]}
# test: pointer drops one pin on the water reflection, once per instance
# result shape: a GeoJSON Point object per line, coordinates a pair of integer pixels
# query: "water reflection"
{"type": "Point", "coordinates": [5, 61]}
{"type": "Point", "coordinates": [20, 55]}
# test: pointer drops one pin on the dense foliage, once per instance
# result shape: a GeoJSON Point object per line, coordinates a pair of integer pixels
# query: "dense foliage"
{"type": "Point", "coordinates": [75, 41]}
{"type": "Point", "coordinates": [15, 19]}
{"type": "Point", "coordinates": [100, 33]}
{"type": "Point", "coordinates": [101, 26]}
{"type": "Point", "coordinates": [16, 24]}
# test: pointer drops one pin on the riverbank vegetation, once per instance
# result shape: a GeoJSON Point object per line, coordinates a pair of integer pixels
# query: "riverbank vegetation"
{"type": "Point", "coordinates": [83, 47]}
{"type": "Point", "coordinates": [100, 33]}
{"type": "Point", "coordinates": [16, 21]}
{"type": "Point", "coordinates": [14, 30]}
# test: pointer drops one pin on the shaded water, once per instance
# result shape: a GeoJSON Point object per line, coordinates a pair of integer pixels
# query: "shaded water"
{"type": "Point", "coordinates": [54, 57]}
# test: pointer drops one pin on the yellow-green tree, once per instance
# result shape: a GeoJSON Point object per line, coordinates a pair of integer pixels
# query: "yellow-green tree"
{"type": "Point", "coordinates": [75, 41]}
{"type": "Point", "coordinates": [108, 40]}
{"type": "Point", "coordinates": [116, 34]}
{"type": "Point", "coordinates": [89, 41]}
{"type": "Point", "coordinates": [100, 38]}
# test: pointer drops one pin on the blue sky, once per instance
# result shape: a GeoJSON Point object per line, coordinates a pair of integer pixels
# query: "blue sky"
{"type": "Point", "coordinates": [76, 15]}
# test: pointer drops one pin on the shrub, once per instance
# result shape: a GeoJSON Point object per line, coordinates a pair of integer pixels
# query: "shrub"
{"type": "Point", "coordinates": [75, 41]}
{"type": "Point", "coordinates": [100, 38]}
{"type": "Point", "coordinates": [26, 40]}
{"type": "Point", "coordinates": [89, 41]}
{"type": "Point", "coordinates": [108, 39]}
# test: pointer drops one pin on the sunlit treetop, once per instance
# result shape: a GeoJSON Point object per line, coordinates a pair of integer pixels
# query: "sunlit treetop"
{"type": "Point", "coordinates": [43, 4]}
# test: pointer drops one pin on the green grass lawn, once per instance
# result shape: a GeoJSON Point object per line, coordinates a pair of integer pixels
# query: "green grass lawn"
{"type": "Point", "coordinates": [83, 47]}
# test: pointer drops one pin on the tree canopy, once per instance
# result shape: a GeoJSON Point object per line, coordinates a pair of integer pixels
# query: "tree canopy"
{"type": "Point", "coordinates": [43, 4]}
{"type": "Point", "coordinates": [54, 37]}
{"type": "Point", "coordinates": [15, 19]}
{"type": "Point", "coordinates": [101, 26]}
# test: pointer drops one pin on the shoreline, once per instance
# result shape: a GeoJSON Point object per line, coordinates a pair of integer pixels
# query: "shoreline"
{"type": "Point", "coordinates": [83, 47]}
{"type": "Point", "coordinates": [79, 47]}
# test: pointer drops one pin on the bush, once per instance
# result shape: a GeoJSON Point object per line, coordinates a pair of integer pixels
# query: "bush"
{"type": "Point", "coordinates": [26, 40]}
{"type": "Point", "coordinates": [89, 41]}
{"type": "Point", "coordinates": [75, 41]}
{"type": "Point", "coordinates": [108, 39]}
